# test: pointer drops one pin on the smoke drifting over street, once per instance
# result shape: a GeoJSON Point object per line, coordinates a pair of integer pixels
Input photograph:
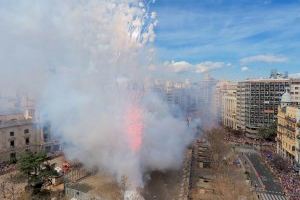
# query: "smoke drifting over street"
{"type": "Point", "coordinates": [86, 63]}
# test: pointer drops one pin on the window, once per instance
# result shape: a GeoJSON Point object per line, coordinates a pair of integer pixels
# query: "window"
{"type": "Point", "coordinates": [26, 131]}
{"type": "Point", "coordinates": [12, 133]}
{"type": "Point", "coordinates": [27, 141]}
{"type": "Point", "coordinates": [12, 143]}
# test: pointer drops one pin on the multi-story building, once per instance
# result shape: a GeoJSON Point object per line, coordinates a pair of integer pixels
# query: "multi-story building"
{"type": "Point", "coordinates": [18, 133]}
{"type": "Point", "coordinates": [220, 89]}
{"type": "Point", "coordinates": [241, 106]}
{"type": "Point", "coordinates": [229, 105]}
{"type": "Point", "coordinates": [295, 89]}
{"type": "Point", "coordinates": [288, 128]}
{"type": "Point", "coordinates": [298, 140]}
{"type": "Point", "coordinates": [50, 143]}
{"type": "Point", "coordinates": [194, 100]}
{"type": "Point", "coordinates": [257, 103]}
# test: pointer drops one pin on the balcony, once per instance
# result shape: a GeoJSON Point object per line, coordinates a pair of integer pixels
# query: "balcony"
{"type": "Point", "coordinates": [290, 128]}
{"type": "Point", "coordinates": [293, 120]}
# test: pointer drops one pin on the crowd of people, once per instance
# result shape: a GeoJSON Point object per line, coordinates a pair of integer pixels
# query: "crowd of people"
{"type": "Point", "coordinates": [246, 141]}
{"type": "Point", "coordinates": [6, 167]}
{"type": "Point", "coordinates": [290, 180]}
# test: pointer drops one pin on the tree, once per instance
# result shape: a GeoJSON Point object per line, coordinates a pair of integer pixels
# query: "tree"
{"type": "Point", "coordinates": [37, 169]}
{"type": "Point", "coordinates": [218, 147]}
{"type": "Point", "coordinates": [268, 133]}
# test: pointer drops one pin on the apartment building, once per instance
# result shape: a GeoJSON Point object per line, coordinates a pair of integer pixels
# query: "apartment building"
{"type": "Point", "coordinates": [192, 99]}
{"type": "Point", "coordinates": [257, 103]}
{"type": "Point", "coordinates": [295, 89]}
{"type": "Point", "coordinates": [297, 159]}
{"type": "Point", "coordinates": [220, 89]}
{"type": "Point", "coordinates": [18, 133]}
{"type": "Point", "coordinates": [288, 128]}
{"type": "Point", "coordinates": [229, 106]}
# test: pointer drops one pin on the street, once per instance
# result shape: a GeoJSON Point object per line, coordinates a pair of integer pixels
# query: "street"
{"type": "Point", "coordinates": [265, 184]}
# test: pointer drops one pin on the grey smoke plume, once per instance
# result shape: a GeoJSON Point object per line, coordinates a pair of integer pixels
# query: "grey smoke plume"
{"type": "Point", "coordinates": [86, 63]}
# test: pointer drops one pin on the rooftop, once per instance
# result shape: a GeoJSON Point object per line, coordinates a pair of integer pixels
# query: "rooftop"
{"type": "Point", "coordinates": [266, 80]}
{"type": "Point", "coordinates": [11, 111]}
{"type": "Point", "coordinates": [11, 123]}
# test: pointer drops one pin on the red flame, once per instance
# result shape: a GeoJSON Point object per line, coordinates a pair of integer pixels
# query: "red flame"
{"type": "Point", "coordinates": [134, 127]}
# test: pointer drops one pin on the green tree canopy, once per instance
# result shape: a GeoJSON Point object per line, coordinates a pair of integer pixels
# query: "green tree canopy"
{"type": "Point", "coordinates": [268, 133]}
{"type": "Point", "coordinates": [36, 168]}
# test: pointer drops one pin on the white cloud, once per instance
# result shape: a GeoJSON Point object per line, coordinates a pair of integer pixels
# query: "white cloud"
{"type": "Point", "coordinates": [244, 68]}
{"type": "Point", "coordinates": [266, 58]}
{"type": "Point", "coordinates": [203, 67]}
{"type": "Point", "coordinates": [180, 66]}
{"type": "Point", "coordinates": [209, 66]}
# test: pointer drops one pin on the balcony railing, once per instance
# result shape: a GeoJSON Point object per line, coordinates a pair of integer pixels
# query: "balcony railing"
{"type": "Point", "coordinates": [293, 120]}
{"type": "Point", "coordinates": [290, 128]}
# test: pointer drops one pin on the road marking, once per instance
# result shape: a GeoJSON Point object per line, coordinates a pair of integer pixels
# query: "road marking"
{"type": "Point", "coordinates": [269, 196]}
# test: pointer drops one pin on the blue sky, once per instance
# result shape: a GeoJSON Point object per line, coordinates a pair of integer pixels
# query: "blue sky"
{"type": "Point", "coordinates": [233, 39]}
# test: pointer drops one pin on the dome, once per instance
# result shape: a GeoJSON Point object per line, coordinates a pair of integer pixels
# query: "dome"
{"type": "Point", "coordinates": [286, 97]}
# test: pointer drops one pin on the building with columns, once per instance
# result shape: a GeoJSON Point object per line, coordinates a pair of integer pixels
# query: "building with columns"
{"type": "Point", "coordinates": [288, 128]}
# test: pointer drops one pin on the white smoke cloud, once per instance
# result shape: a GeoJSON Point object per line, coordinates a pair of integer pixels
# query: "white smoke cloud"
{"type": "Point", "coordinates": [86, 62]}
